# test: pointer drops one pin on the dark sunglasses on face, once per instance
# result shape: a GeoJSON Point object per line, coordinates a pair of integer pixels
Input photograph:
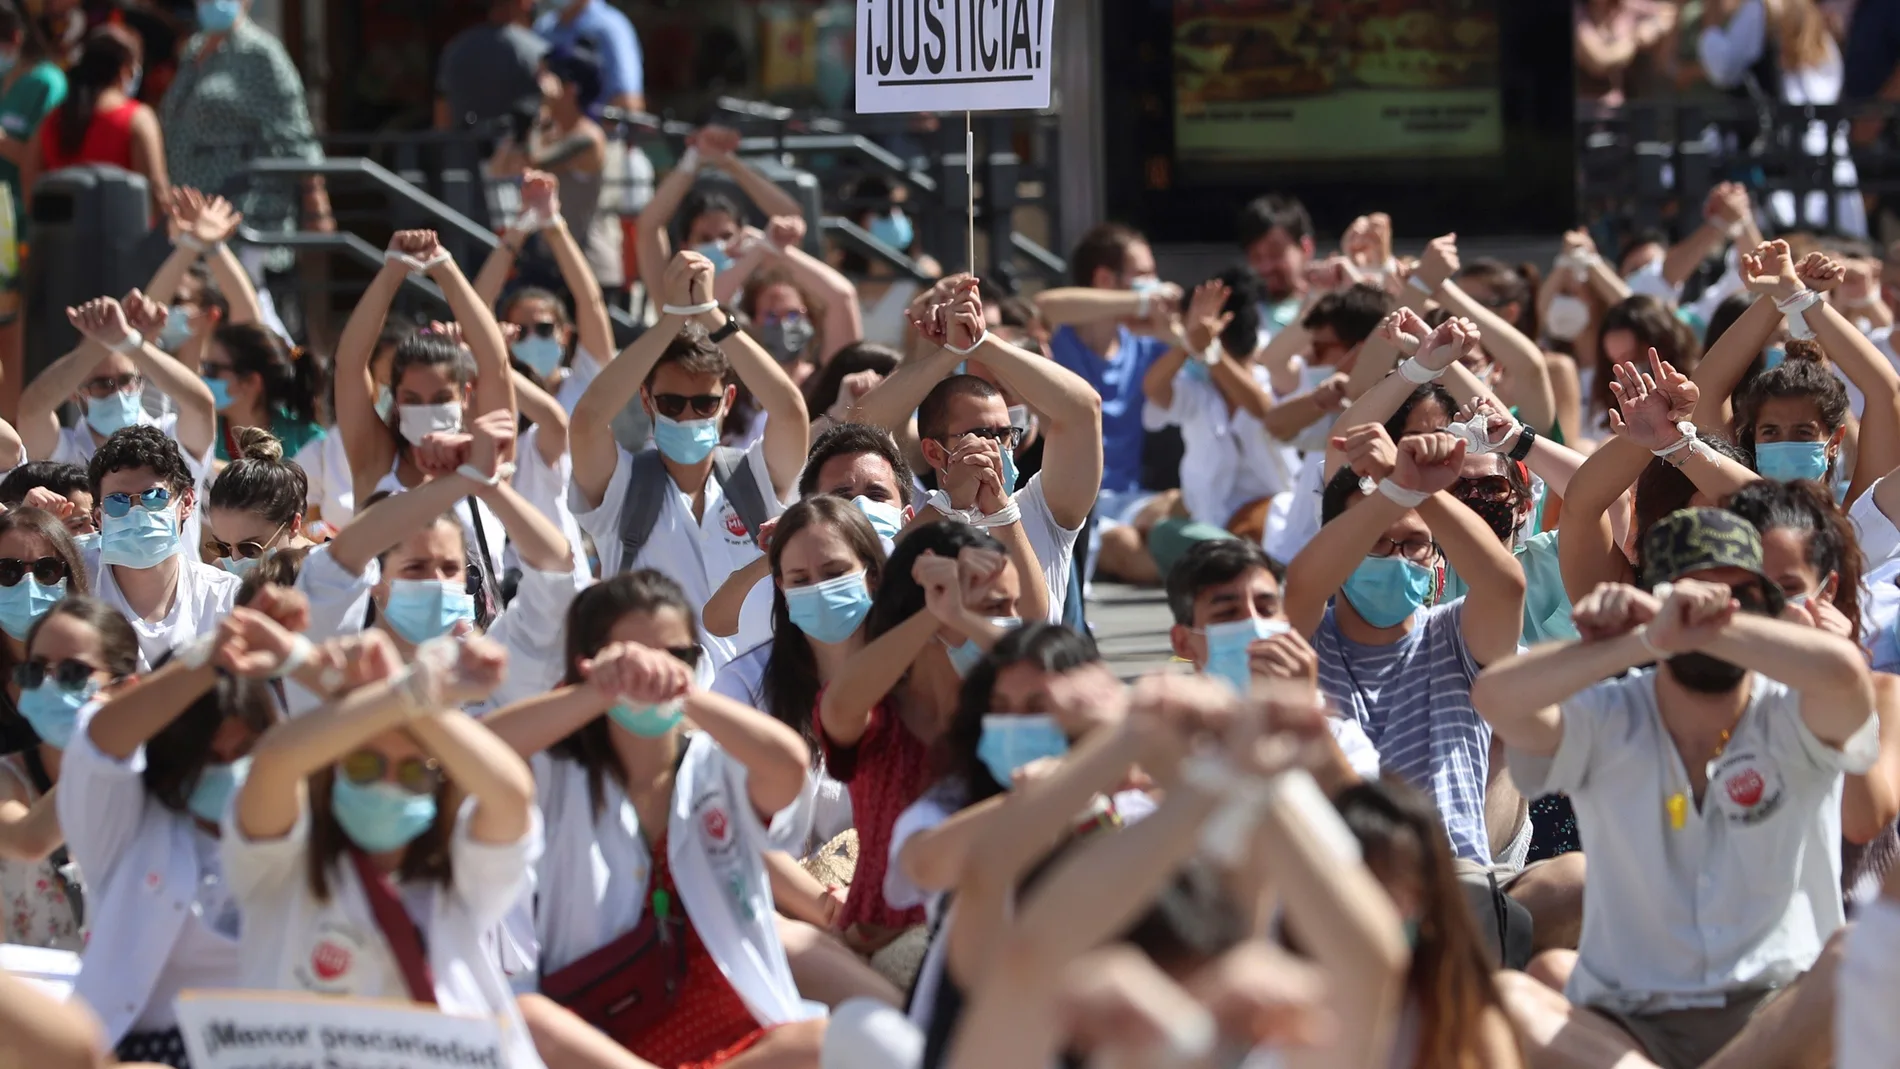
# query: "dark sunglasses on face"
{"type": "Point", "coordinates": [215, 371]}
{"type": "Point", "coordinates": [69, 674]}
{"type": "Point", "coordinates": [417, 775]}
{"type": "Point", "coordinates": [107, 385]}
{"type": "Point", "coordinates": [673, 405]}
{"type": "Point", "coordinates": [687, 655]}
{"type": "Point", "coordinates": [157, 499]}
{"type": "Point", "coordinates": [1485, 488]}
{"type": "Point", "coordinates": [249, 549]}
{"type": "Point", "coordinates": [541, 330]}
{"type": "Point", "coordinates": [46, 570]}
{"type": "Point", "coordinates": [1008, 437]}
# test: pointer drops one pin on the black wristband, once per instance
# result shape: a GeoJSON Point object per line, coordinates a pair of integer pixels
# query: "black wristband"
{"type": "Point", "coordinates": [1525, 439]}
{"type": "Point", "coordinates": [727, 331]}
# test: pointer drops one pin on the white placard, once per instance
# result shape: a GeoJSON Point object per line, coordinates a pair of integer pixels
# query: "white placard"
{"type": "Point", "coordinates": [954, 55]}
{"type": "Point", "coordinates": [246, 1029]}
{"type": "Point", "coordinates": [52, 971]}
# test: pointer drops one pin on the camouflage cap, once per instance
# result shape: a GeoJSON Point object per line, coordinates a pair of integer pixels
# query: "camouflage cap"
{"type": "Point", "coordinates": [1693, 540]}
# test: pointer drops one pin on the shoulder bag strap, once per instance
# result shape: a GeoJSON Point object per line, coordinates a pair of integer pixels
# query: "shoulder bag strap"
{"type": "Point", "coordinates": [398, 928]}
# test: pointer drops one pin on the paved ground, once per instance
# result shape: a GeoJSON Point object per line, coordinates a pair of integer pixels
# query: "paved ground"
{"type": "Point", "coordinates": [1131, 627]}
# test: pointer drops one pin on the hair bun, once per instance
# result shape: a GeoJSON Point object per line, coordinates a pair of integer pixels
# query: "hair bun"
{"type": "Point", "coordinates": [1804, 349]}
{"type": "Point", "coordinates": [256, 443]}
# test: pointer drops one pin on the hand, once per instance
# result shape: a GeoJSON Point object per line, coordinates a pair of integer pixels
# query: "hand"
{"type": "Point", "coordinates": [286, 605]}
{"type": "Point", "coordinates": [1500, 428]}
{"type": "Point", "coordinates": [1440, 261]}
{"type": "Point", "coordinates": [1330, 395]}
{"type": "Point", "coordinates": [217, 221]}
{"type": "Point", "coordinates": [766, 530]}
{"type": "Point", "coordinates": [251, 644]}
{"type": "Point", "coordinates": [419, 245]}
{"type": "Point", "coordinates": [541, 196]}
{"type": "Point", "coordinates": [851, 391]}
{"type": "Point", "coordinates": [943, 595]}
{"type": "Point", "coordinates": [1613, 609]}
{"type": "Point", "coordinates": [830, 908]}
{"type": "Point", "coordinates": [1728, 204]}
{"type": "Point", "coordinates": [1405, 330]}
{"type": "Point", "coordinates": [1819, 612]}
{"type": "Point", "coordinates": [479, 667]}
{"type": "Point", "coordinates": [964, 316]}
{"type": "Point", "coordinates": [144, 314]}
{"type": "Point", "coordinates": [1770, 270]}
{"type": "Point", "coordinates": [1692, 616]}
{"type": "Point", "coordinates": [1381, 237]}
{"type": "Point", "coordinates": [1820, 272]}
{"type": "Point", "coordinates": [1086, 699]}
{"type": "Point", "coordinates": [450, 332]}
{"type": "Point", "coordinates": [1331, 275]}
{"type": "Point", "coordinates": [715, 143]}
{"type": "Point", "coordinates": [342, 665]}
{"type": "Point", "coordinates": [688, 280]}
{"type": "Point", "coordinates": [1452, 339]}
{"type": "Point", "coordinates": [1369, 451]}
{"type": "Point", "coordinates": [977, 570]}
{"type": "Point", "coordinates": [1286, 656]}
{"type": "Point", "coordinates": [440, 453]}
{"type": "Point", "coordinates": [1647, 413]}
{"type": "Point", "coordinates": [1579, 243]}
{"type": "Point", "coordinates": [1429, 462]}
{"type": "Point", "coordinates": [1168, 712]}
{"type": "Point", "coordinates": [938, 293]}
{"type": "Point", "coordinates": [1205, 320]}
{"type": "Point", "coordinates": [1677, 387]}
{"type": "Point", "coordinates": [786, 231]}
{"type": "Point", "coordinates": [748, 240]}
{"type": "Point", "coordinates": [492, 441]}
{"type": "Point", "coordinates": [635, 673]}
{"type": "Point", "coordinates": [1859, 284]}
{"type": "Point", "coordinates": [101, 320]}
{"type": "Point", "coordinates": [41, 498]}
{"type": "Point", "coordinates": [1360, 245]}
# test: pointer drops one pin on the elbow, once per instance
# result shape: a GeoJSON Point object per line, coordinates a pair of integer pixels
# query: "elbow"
{"type": "Point", "coordinates": [1488, 693]}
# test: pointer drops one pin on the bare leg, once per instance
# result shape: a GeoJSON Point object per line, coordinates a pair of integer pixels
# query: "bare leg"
{"type": "Point", "coordinates": [1553, 891]}
{"type": "Point", "coordinates": [792, 1046]}
{"type": "Point", "coordinates": [1552, 969]}
{"type": "Point", "coordinates": [1124, 556]}
{"type": "Point", "coordinates": [826, 971]}
{"type": "Point", "coordinates": [564, 1041]}
{"type": "Point", "coordinates": [1558, 1035]}
{"type": "Point", "coordinates": [1797, 1028]}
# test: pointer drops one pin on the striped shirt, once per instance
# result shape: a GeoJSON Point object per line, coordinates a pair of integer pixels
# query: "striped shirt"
{"type": "Point", "coordinates": [1413, 698]}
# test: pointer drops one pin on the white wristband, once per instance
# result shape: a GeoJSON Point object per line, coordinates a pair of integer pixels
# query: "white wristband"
{"type": "Point", "coordinates": [301, 650]}
{"type": "Point", "coordinates": [1417, 282]}
{"type": "Point", "coordinates": [974, 346]}
{"type": "Point", "coordinates": [189, 241]}
{"type": "Point", "coordinates": [1411, 499]}
{"type": "Point", "coordinates": [1649, 644]}
{"type": "Point", "coordinates": [436, 261]}
{"type": "Point", "coordinates": [689, 160]}
{"type": "Point", "coordinates": [404, 260]}
{"type": "Point", "coordinates": [689, 309]}
{"type": "Point", "coordinates": [1009, 514]}
{"type": "Point", "coordinates": [1688, 432]}
{"type": "Point", "coordinates": [1141, 304]}
{"type": "Point", "coordinates": [1244, 800]}
{"type": "Point", "coordinates": [1798, 327]}
{"type": "Point", "coordinates": [474, 474]}
{"type": "Point", "coordinates": [939, 500]}
{"type": "Point", "coordinates": [131, 343]}
{"type": "Point", "coordinates": [1211, 355]}
{"type": "Point", "coordinates": [1417, 372]}
{"type": "Point", "coordinates": [1800, 301]}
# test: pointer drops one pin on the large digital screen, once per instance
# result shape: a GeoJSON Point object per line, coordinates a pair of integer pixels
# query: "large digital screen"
{"type": "Point", "coordinates": [1335, 80]}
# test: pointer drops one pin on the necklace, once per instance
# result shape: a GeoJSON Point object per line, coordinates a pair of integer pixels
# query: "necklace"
{"type": "Point", "coordinates": [1678, 803]}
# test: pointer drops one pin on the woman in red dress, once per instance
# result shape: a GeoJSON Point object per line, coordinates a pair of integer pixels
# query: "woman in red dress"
{"type": "Point", "coordinates": [101, 120]}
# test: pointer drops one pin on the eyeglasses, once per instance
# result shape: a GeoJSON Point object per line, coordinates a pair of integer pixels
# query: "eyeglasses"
{"type": "Point", "coordinates": [687, 655]}
{"type": "Point", "coordinates": [157, 499]}
{"type": "Point", "coordinates": [1008, 437]}
{"type": "Point", "coordinates": [417, 775]}
{"type": "Point", "coordinates": [704, 405]}
{"type": "Point", "coordinates": [46, 570]}
{"type": "Point", "coordinates": [69, 674]}
{"type": "Point", "coordinates": [215, 371]}
{"type": "Point", "coordinates": [1416, 550]}
{"type": "Point", "coordinates": [248, 549]}
{"type": "Point", "coordinates": [1490, 488]}
{"type": "Point", "coordinates": [106, 385]}
{"type": "Point", "coordinates": [541, 330]}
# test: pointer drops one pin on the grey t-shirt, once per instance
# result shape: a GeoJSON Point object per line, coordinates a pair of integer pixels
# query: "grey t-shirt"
{"type": "Point", "coordinates": [488, 71]}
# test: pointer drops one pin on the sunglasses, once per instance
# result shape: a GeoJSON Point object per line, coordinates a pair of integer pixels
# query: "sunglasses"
{"type": "Point", "coordinates": [672, 405]}
{"type": "Point", "coordinates": [69, 674]}
{"type": "Point", "coordinates": [417, 775]}
{"type": "Point", "coordinates": [157, 499]}
{"type": "Point", "coordinates": [107, 385]}
{"type": "Point", "coordinates": [246, 550]}
{"type": "Point", "coordinates": [1485, 488]}
{"type": "Point", "coordinates": [46, 571]}
{"type": "Point", "coordinates": [541, 330]}
{"type": "Point", "coordinates": [1008, 437]}
{"type": "Point", "coordinates": [686, 655]}
{"type": "Point", "coordinates": [215, 371]}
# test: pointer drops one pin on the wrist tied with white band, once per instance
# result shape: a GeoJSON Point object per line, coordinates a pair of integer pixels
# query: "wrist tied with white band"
{"type": "Point", "coordinates": [1419, 373]}
{"type": "Point", "coordinates": [689, 309]}
{"type": "Point", "coordinates": [131, 343]}
{"type": "Point", "coordinates": [1792, 308]}
{"type": "Point", "coordinates": [1417, 282]}
{"type": "Point", "coordinates": [1003, 517]}
{"type": "Point", "coordinates": [1687, 441]}
{"type": "Point", "coordinates": [202, 248]}
{"type": "Point", "coordinates": [974, 346]}
{"type": "Point", "coordinates": [1246, 799]}
{"type": "Point", "coordinates": [1411, 499]}
{"type": "Point", "coordinates": [503, 472]}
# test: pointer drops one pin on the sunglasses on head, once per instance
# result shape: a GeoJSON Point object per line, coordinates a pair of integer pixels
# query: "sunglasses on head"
{"type": "Point", "coordinates": [673, 405]}
{"type": "Point", "coordinates": [69, 674]}
{"type": "Point", "coordinates": [107, 385]}
{"type": "Point", "coordinates": [249, 549]}
{"type": "Point", "coordinates": [417, 775]}
{"type": "Point", "coordinates": [45, 571]}
{"type": "Point", "coordinates": [157, 499]}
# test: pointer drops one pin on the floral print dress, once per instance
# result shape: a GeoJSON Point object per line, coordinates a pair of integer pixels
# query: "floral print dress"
{"type": "Point", "coordinates": [35, 910]}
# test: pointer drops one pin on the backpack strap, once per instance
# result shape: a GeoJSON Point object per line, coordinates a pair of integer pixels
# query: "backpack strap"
{"type": "Point", "coordinates": [647, 485]}
{"type": "Point", "coordinates": [399, 929]}
{"type": "Point", "coordinates": [736, 477]}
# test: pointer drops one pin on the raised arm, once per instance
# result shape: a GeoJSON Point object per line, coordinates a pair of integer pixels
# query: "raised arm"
{"type": "Point", "coordinates": [549, 419]}
{"type": "Point", "coordinates": [590, 432]}
{"type": "Point", "coordinates": [210, 223]}
{"type": "Point", "coordinates": [367, 440]}
{"type": "Point", "coordinates": [130, 718]}
{"type": "Point", "coordinates": [1866, 367]}
{"type": "Point", "coordinates": [539, 542]}
{"type": "Point", "coordinates": [1330, 557]}
{"type": "Point", "coordinates": [494, 386]}
{"type": "Point", "coordinates": [775, 756]}
{"type": "Point", "coordinates": [845, 709]}
{"type": "Point", "coordinates": [482, 765]}
{"type": "Point", "coordinates": [655, 248]}
{"type": "Point", "coordinates": [787, 424]}
{"type": "Point", "coordinates": [30, 832]}
{"type": "Point", "coordinates": [541, 195]}
{"type": "Point", "coordinates": [1518, 355]}
{"type": "Point", "coordinates": [118, 326]}
{"type": "Point", "coordinates": [1721, 368]}
{"type": "Point", "coordinates": [891, 403]}
{"type": "Point", "coordinates": [1078, 305]}
{"type": "Point", "coordinates": [1830, 672]}
{"type": "Point", "coordinates": [1520, 696]}
{"type": "Point", "coordinates": [1493, 615]}
{"type": "Point", "coordinates": [371, 532]}
{"type": "Point", "coordinates": [40, 400]}
{"type": "Point", "coordinates": [844, 320]}
{"type": "Point", "coordinates": [771, 201]}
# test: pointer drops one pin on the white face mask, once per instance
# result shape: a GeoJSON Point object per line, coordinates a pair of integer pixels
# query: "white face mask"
{"type": "Point", "coordinates": [1566, 317]}
{"type": "Point", "coordinates": [419, 421]}
{"type": "Point", "coordinates": [1648, 281]}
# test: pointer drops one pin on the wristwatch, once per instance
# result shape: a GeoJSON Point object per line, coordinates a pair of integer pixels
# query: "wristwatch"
{"type": "Point", "coordinates": [727, 331]}
{"type": "Point", "coordinates": [1525, 439]}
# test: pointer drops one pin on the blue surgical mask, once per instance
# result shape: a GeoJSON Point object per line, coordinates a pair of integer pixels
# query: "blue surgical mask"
{"type": "Point", "coordinates": [422, 609]}
{"type": "Point", "coordinates": [381, 816]}
{"type": "Point", "coordinates": [1197, 370]}
{"type": "Point", "coordinates": [648, 721]}
{"type": "Point", "coordinates": [25, 602]}
{"type": "Point", "coordinates": [220, 391]}
{"type": "Point", "coordinates": [541, 354]}
{"type": "Point", "coordinates": [52, 711]}
{"type": "Point", "coordinates": [1227, 646]}
{"type": "Point", "coordinates": [964, 657]}
{"type": "Point", "coordinates": [239, 566]}
{"type": "Point", "coordinates": [894, 228]}
{"type": "Point", "coordinates": [716, 252]}
{"type": "Point", "coordinates": [1772, 357]}
{"type": "Point", "coordinates": [1388, 590]}
{"type": "Point", "coordinates": [685, 442]}
{"type": "Point", "coordinates": [831, 611]}
{"type": "Point", "coordinates": [216, 784]}
{"type": "Point", "coordinates": [218, 16]}
{"type": "Point", "coordinates": [139, 539]}
{"type": "Point", "coordinates": [1010, 742]}
{"type": "Point", "coordinates": [1010, 474]}
{"type": "Point", "coordinates": [1787, 461]}
{"type": "Point", "coordinates": [117, 412]}
{"type": "Point", "coordinates": [87, 543]}
{"type": "Point", "coordinates": [886, 520]}
{"type": "Point", "coordinates": [177, 329]}
{"type": "Point", "coordinates": [385, 403]}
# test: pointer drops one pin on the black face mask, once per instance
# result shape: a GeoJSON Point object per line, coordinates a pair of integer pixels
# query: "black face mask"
{"type": "Point", "coordinates": [1500, 516]}
{"type": "Point", "coordinates": [1705, 674]}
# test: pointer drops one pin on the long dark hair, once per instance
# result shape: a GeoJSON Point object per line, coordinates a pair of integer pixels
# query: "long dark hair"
{"type": "Point", "coordinates": [1399, 830]}
{"type": "Point", "coordinates": [424, 860]}
{"type": "Point", "coordinates": [590, 624]}
{"type": "Point", "coordinates": [295, 380]}
{"type": "Point", "coordinates": [899, 597]}
{"type": "Point", "coordinates": [1803, 374]}
{"type": "Point", "coordinates": [1049, 647]}
{"type": "Point", "coordinates": [1830, 544]}
{"type": "Point", "coordinates": [177, 756]}
{"type": "Point", "coordinates": [790, 685]}
{"type": "Point", "coordinates": [1654, 326]}
{"type": "Point", "coordinates": [102, 61]}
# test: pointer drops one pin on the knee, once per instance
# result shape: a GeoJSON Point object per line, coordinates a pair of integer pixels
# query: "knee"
{"type": "Point", "coordinates": [797, 936]}
{"type": "Point", "coordinates": [1552, 968]}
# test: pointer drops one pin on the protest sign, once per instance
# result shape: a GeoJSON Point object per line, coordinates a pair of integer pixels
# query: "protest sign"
{"type": "Point", "coordinates": [245, 1029]}
{"type": "Point", "coordinates": [51, 971]}
{"type": "Point", "coordinates": [954, 55]}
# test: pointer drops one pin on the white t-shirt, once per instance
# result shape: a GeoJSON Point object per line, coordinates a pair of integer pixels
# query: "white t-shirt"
{"type": "Point", "coordinates": [1229, 459]}
{"type": "Point", "coordinates": [697, 554]}
{"type": "Point", "coordinates": [76, 447]}
{"type": "Point", "coordinates": [293, 942]}
{"type": "Point", "coordinates": [1304, 505]}
{"type": "Point", "coordinates": [204, 595]}
{"type": "Point", "coordinates": [580, 375]}
{"type": "Point", "coordinates": [742, 680]}
{"type": "Point", "coordinates": [1054, 544]}
{"type": "Point", "coordinates": [327, 466]}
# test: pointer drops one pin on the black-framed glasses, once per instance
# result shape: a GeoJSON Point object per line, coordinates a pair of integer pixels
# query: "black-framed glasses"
{"type": "Point", "coordinates": [1416, 550]}
{"type": "Point", "coordinates": [249, 549]}
{"type": "Point", "coordinates": [157, 499]}
{"type": "Point", "coordinates": [106, 385]}
{"type": "Point", "coordinates": [673, 405]}
{"type": "Point", "coordinates": [1492, 488]}
{"type": "Point", "coordinates": [686, 655]}
{"type": "Point", "coordinates": [69, 674]}
{"type": "Point", "coordinates": [417, 775]}
{"type": "Point", "coordinates": [1008, 437]}
{"type": "Point", "coordinates": [45, 571]}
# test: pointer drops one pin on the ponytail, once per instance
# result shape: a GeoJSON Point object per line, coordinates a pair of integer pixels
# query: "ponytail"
{"type": "Point", "coordinates": [295, 380]}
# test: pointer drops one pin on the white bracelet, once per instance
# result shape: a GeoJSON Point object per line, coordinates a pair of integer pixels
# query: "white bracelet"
{"type": "Point", "coordinates": [301, 650]}
{"type": "Point", "coordinates": [189, 241]}
{"type": "Point", "coordinates": [1009, 514]}
{"type": "Point", "coordinates": [1211, 355]}
{"type": "Point", "coordinates": [939, 500]}
{"type": "Point", "coordinates": [1417, 282]}
{"type": "Point", "coordinates": [474, 474]}
{"type": "Point", "coordinates": [131, 343]}
{"type": "Point", "coordinates": [1417, 372]}
{"type": "Point", "coordinates": [974, 346]}
{"type": "Point", "coordinates": [1799, 301]}
{"type": "Point", "coordinates": [1411, 499]}
{"type": "Point", "coordinates": [1688, 432]}
{"type": "Point", "coordinates": [1141, 304]}
{"type": "Point", "coordinates": [436, 261]}
{"type": "Point", "coordinates": [1798, 327]}
{"type": "Point", "coordinates": [1244, 799]}
{"type": "Point", "coordinates": [689, 160]}
{"type": "Point", "coordinates": [1642, 636]}
{"type": "Point", "coordinates": [689, 309]}
{"type": "Point", "coordinates": [404, 260]}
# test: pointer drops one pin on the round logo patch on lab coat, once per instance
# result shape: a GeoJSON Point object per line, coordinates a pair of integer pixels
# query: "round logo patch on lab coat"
{"type": "Point", "coordinates": [334, 954]}
{"type": "Point", "coordinates": [735, 527]}
{"type": "Point", "coordinates": [1747, 786]}
{"type": "Point", "coordinates": [718, 826]}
